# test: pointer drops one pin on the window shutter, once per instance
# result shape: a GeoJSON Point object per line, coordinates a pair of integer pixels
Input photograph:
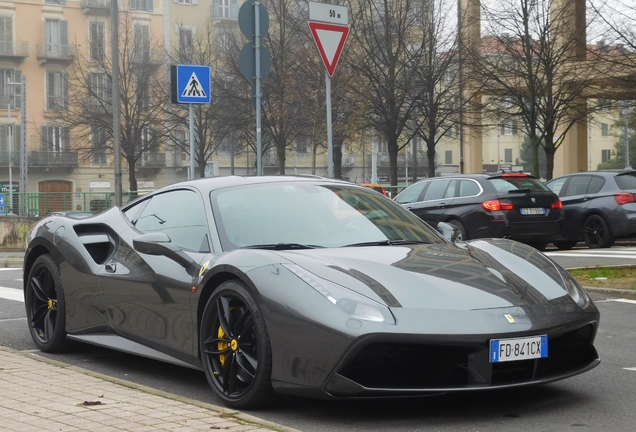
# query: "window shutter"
{"type": "Point", "coordinates": [150, 5]}
{"type": "Point", "coordinates": [514, 127]}
{"type": "Point", "coordinates": [65, 139]}
{"type": "Point", "coordinates": [50, 90]}
{"type": "Point", "coordinates": [195, 2]}
{"type": "Point", "coordinates": [234, 9]}
{"type": "Point", "coordinates": [216, 12]}
{"type": "Point", "coordinates": [8, 34]}
{"type": "Point", "coordinates": [64, 35]}
{"type": "Point", "coordinates": [64, 88]}
{"type": "Point", "coordinates": [17, 90]}
{"type": "Point", "coordinates": [44, 137]}
{"type": "Point", "coordinates": [4, 133]}
{"type": "Point", "coordinates": [133, 4]}
{"type": "Point", "coordinates": [61, 1]}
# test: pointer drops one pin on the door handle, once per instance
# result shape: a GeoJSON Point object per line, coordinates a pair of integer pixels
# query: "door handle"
{"type": "Point", "coordinates": [442, 205]}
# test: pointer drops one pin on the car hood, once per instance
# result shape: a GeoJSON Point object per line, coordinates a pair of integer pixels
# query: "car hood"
{"type": "Point", "coordinates": [479, 274]}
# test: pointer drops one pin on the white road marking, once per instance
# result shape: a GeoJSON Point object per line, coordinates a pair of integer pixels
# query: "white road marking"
{"type": "Point", "coordinates": [9, 269]}
{"type": "Point", "coordinates": [11, 294]}
{"type": "Point", "coordinates": [631, 369]}
{"type": "Point", "coordinates": [622, 300]}
{"type": "Point", "coordinates": [13, 319]}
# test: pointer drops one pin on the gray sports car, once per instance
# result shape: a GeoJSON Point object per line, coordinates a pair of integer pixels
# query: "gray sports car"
{"type": "Point", "coordinates": [304, 286]}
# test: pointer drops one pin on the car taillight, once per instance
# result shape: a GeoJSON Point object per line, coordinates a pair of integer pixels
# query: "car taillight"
{"type": "Point", "coordinates": [496, 205]}
{"type": "Point", "coordinates": [624, 198]}
{"type": "Point", "coordinates": [557, 205]}
{"type": "Point", "coordinates": [383, 191]}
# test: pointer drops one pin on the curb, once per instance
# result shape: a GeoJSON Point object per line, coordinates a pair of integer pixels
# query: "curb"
{"type": "Point", "coordinates": [240, 417]}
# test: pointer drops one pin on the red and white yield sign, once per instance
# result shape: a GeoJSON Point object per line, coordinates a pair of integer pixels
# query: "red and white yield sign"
{"type": "Point", "coordinates": [329, 35]}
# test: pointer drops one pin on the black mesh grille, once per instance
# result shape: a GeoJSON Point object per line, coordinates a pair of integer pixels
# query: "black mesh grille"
{"type": "Point", "coordinates": [99, 251]}
{"type": "Point", "coordinates": [409, 366]}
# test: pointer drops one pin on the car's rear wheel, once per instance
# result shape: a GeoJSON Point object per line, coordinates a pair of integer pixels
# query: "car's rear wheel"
{"type": "Point", "coordinates": [463, 234]}
{"type": "Point", "coordinates": [538, 245]}
{"type": "Point", "coordinates": [564, 244]}
{"type": "Point", "coordinates": [235, 348]}
{"type": "Point", "coordinates": [45, 306]}
{"type": "Point", "coordinates": [596, 233]}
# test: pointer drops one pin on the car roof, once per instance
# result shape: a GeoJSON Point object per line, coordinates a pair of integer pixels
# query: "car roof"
{"type": "Point", "coordinates": [603, 173]}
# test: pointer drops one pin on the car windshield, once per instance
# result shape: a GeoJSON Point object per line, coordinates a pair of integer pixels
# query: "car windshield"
{"type": "Point", "coordinates": [293, 215]}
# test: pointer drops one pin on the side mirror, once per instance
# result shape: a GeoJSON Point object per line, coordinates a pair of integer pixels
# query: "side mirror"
{"type": "Point", "coordinates": [448, 231]}
{"type": "Point", "coordinates": [158, 243]}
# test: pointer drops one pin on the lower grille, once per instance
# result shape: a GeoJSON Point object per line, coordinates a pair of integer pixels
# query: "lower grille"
{"type": "Point", "coordinates": [413, 366]}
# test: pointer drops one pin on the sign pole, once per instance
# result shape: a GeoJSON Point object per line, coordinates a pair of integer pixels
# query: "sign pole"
{"type": "Point", "coordinates": [191, 142]}
{"type": "Point", "coordinates": [329, 127]}
{"type": "Point", "coordinates": [257, 83]}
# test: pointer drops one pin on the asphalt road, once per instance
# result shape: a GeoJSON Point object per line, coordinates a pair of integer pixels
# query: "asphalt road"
{"type": "Point", "coordinates": [602, 399]}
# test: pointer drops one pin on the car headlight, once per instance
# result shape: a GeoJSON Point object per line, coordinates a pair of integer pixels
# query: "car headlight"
{"type": "Point", "coordinates": [574, 289]}
{"type": "Point", "coordinates": [354, 304]}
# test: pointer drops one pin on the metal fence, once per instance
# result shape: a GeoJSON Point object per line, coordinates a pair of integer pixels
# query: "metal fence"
{"type": "Point", "coordinates": [42, 203]}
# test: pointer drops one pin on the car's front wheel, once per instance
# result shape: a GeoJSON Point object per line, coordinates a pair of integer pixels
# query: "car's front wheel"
{"type": "Point", "coordinates": [565, 244]}
{"type": "Point", "coordinates": [235, 348]}
{"type": "Point", "coordinates": [596, 233]}
{"type": "Point", "coordinates": [45, 306]}
{"type": "Point", "coordinates": [459, 227]}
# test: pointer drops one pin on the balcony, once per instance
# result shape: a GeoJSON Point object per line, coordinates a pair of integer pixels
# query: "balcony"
{"type": "Point", "coordinates": [62, 159]}
{"type": "Point", "coordinates": [15, 158]}
{"type": "Point", "coordinates": [152, 160]}
{"type": "Point", "coordinates": [55, 53]}
{"type": "Point", "coordinates": [219, 14]}
{"type": "Point", "coordinates": [17, 53]}
{"type": "Point", "coordinates": [383, 159]}
{"type": "Point", "coordinates": [96, 7]}
{"type": "Point", "coordinates": [98, 107]}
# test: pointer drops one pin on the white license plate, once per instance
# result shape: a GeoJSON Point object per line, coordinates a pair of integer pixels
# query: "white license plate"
{"type": "Point", "coordinates": [502, 350]}
{"type": "Point", "coordinates": [533, 211]}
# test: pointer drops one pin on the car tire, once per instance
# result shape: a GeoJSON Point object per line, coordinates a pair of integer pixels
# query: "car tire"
{"type": "Point", "coordinates": [235, 348]}
{"type": "Point", "coordinates": [596, 233]}
{"type": "Point", "coordinates": [45, 306]}
{"type": "Point", "coordinates": [463, 234]}
{"type": "Point", "coordinates": [565, 244]}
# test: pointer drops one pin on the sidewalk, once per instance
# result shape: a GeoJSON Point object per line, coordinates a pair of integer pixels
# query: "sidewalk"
{"type": "Point", "coordinates": [38, 394]}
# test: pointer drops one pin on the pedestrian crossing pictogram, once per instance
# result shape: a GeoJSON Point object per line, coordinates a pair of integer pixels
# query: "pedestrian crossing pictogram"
{"type": "Point", "coordinates": [193, 88]}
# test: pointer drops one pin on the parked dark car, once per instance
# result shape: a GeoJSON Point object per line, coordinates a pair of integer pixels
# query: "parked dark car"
{"type": "Point", "coordinates": [600, 206]}
{"type": "Point", "coordinates": [505, 205]}
{"type": "Point", "coordinates": [304, 286]}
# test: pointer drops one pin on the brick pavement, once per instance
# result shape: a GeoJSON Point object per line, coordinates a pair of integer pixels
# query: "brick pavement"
{"type": "Point", "coordinates": [38, 394]}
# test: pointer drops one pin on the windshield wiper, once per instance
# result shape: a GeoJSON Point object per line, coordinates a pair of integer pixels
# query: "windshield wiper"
{"type": "Point", "coordinates": [526, 190]}
{"type": "Point", "coordinates": [282, 246]}
{"type": "Point", "coordinates": [386, 243]}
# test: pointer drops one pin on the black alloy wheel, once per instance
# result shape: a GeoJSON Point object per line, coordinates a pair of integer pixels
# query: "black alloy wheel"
{"type": "Point", "coordinates": [596, 233]}
{"type": "Point", "coordinates": [45, 306]}
{"type": "Point", "coordinates": [235, 348]}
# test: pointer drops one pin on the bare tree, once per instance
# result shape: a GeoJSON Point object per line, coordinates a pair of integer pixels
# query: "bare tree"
{"type": "Point", "coordinates": [214, 123]}
{"type": "Point", "coordinates": [389, 39]}
{"type": "Point", "coordinates": [532, 69]}
{"type": "Point", "coordinates": [87, 111]}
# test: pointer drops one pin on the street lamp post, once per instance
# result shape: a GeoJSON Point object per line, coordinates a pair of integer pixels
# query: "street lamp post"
{"type": "Point", "coordinates": [10, 144]}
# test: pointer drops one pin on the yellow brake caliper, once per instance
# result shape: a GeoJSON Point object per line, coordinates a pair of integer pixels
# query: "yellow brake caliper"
{"type": "Point", "coordinates": [222, 346]}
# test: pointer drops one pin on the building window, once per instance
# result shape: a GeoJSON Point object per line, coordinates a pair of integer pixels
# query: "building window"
{"type": "Point", "coordinates": [605, 104]}
{"type": "Point", "coordinates": [10, 94]}
{"type": "Point", "coordinates": [302, 145]}
{"type": "Point", "coordinates": [55, 139]}
{"type": "Point", "coordinates": [56, 37]}
{"type": "Point", "coordinates": [448, 130]}
{"type": "Point", "coordinates": [56, 91]}
{"type": "Point", "coordinates": [98, 146]}
{"type": "Point", "coordinates": [187, 2]}
{"type": "Point", "coordinates": [606, 155]}
{"type": "Point", "coordinates": [448, 157]}
{"type": "Point", "coordinates": [223, 40]}
{"type": "Point", "coordinates": [97, 46]}
{"type": "Point", "coordinates": [604, 129]}
{"type": "Point", "coordinates": [185, 45]}
{"type": "Point", "coordinates": [55, 1]}
{"type": "Point", "coordinates": [225, 9]}
{"type": "Point", "coordinates": [6, 35]}
{"type": "Point", "coordinates": [508, 155]}
{"type": "Point", "coordinates": [141, 5]}
{"type": "Point", "coordinates": [100, 90]}
{"type": "Point", "coordinates": [14, 138]}
{"type": "Point", "coordinates": [142, 43]}
{"type": "Point", "coordinates": [181, 143]}
{"type": "Point", "coordinates": [509, 127]}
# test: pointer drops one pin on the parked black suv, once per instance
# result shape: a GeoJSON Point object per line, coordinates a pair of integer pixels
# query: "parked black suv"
{"type": "Point", "coordinates": [511, 205]}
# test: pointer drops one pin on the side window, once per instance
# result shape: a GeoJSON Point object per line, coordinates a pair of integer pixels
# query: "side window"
{"type": "Point", "coordinates": [557, 185]}
{"type": "Point", "coordinates": [450, 190]}
{"type": "Point", "coordinates": [577, 186]}
{"type": "Point", "coordinates": [436, 190]}
{"type": "Point", "coordinates": [595, 185]}
{"type": "Point", "coordinates": [180, 215]}
{"type": "Point", "coordinates": [468, 188]}
{"type": "Point", "coordinates": [411, 194]}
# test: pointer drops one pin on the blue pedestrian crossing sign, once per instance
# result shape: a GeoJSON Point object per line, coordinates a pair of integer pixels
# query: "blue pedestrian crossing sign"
{"type": "Point", "coordinates": [190, 84]}
{"type": "Point", "coordinates": [1, 204]}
